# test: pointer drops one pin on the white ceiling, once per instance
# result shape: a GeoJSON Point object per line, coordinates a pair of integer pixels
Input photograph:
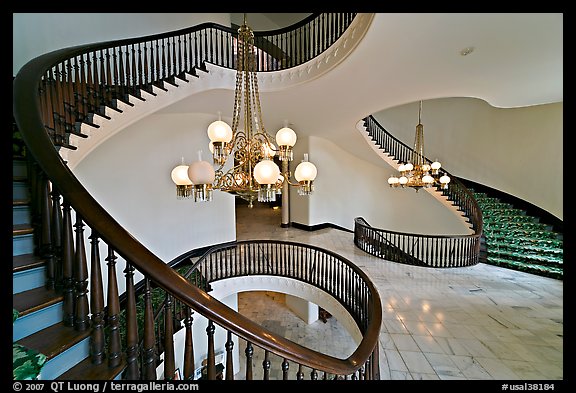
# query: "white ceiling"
{"type": "Point", "coordinates": [406, 57]}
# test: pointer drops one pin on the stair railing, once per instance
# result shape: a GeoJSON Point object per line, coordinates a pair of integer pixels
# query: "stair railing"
{"type": "Point", "coordinates": [53, 95]}
{"type": "Point", "coordinates": [323, 269]}
{"type": "Point", "coordinates": [418, 249]}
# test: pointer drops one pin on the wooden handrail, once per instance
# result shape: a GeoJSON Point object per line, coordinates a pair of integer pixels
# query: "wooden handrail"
{"type": "Point", "coordinates": [33, 111]}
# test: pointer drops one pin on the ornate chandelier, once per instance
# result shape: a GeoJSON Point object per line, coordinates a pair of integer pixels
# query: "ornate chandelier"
{"type": "Point", "coordinates": [254, 175]}
{"type": "Point", "coordinates": [418, 173]}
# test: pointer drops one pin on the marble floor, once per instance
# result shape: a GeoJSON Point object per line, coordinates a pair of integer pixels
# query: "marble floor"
{"type": "Point", "coordinates": [474, 323]}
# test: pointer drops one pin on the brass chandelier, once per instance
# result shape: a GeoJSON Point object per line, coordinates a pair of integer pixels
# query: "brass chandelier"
{"type": "Point", "coordinates": [418, 173]}
{"type": "Point", "coordinates": [254, 175]}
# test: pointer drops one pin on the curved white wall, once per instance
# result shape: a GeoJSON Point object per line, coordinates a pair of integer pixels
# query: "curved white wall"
{"type": "Point", "coordinates": [129, 174]}
{"type": "Point", "coordinates": [37, 33]}
{"type": "Point", "coordinates": [225, 288]}
{"type": "Point", "coordinates": [348, 187]}
{"type": "Point", "coordinates": [516, 150]}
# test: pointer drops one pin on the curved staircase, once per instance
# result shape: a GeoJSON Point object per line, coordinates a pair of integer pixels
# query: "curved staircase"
{"type": "Point", "coordinates": [61, 304]}
{"type": "Point", "coordinates": [519, 241]}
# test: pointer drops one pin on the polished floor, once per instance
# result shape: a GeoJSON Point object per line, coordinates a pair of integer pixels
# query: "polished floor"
{"type": "Point", "coordinates": [475, 323]}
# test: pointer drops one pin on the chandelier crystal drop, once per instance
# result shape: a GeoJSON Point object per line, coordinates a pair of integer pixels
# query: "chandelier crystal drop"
{"type": "Point", "coordinates": [419, 173]}
{"type": "Point", "coordinates": [253, 174]}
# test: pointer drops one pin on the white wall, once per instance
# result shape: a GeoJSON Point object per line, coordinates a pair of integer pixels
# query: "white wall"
{"type": "Point", "coordinates": [37, 33]}
{"type": "Point", "coordinates": [222, 289]}
{"type": "Point", "coordinates": [348, 187]}
{"type": "Point", "coordinates": [304, 309]}
{"type": "Point", "coordinates": [516, 150]}
{"type": "Point", "coordinates": [129, 174]}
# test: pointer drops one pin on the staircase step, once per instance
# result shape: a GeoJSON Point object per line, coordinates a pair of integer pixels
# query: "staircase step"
{"type": "Point", "coordinates": [23, 244]}
{"type": "Point", "coordinates": [28, 279]}
{"type": "Point", "coordinates": [34, 300]}
{"type": "Point", "coordinates": [546, 271]}
{"type": "Point", "coordinates": [38, 308]}
{"type": "Point", "coordinates": [20, 189]}
{"type": "Point", "coordinates": [85, 370]}
{"type": "Point", "coordinates": [21, 213]}
{"type": "Point", "coordinates": [25, 262]}
{"type": "Point", "coordinates": [63, 346]}
{"type": "Point", "coordinates": [19, 167]}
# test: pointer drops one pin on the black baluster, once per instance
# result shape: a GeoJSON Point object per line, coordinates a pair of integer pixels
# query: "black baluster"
{"type": "Point", "coordinates": [67, 266]}
{"type": "Point", "coordinates": [81, 310]}
{"type": "Point", "coordinates": [96, 303]}
{"type": "Point", "coordinates": [132, 369]}
{"type": "Point", "coordinates": [148, 355]}
{"type": "Point", "coordinates": [113, 318]}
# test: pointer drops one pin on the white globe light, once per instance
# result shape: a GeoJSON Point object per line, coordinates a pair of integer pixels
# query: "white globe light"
{"type": "Point", "coordinates": [401, 168]}
{"type": "Point", "coordinates": [392, 180]}
{"type": "Point", "coordinates": [435, 165]}
{"type": "Point", "coordinates": [201, 172]}
{"type": "Point", "coordinates": [403, 180]}
{"type": "Point", "coordinates": [266, 172]}
{"type": "Point", "coordinates": [445, 179]}
{"type": "Point", "coordinates": [219, 131]}
{"type": "Point", "coordinates": [427, 179]}
{"type": "Point", "coordinates": [180, 176]}
{"type": "Point", "coordinates": [408, 167]}
{"type": "Point", "coordinates": [286, 137]}
{"type": "Point", "coordinates": [305, 171]}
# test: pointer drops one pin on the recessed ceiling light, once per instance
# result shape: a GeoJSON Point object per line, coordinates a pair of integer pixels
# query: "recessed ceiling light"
{"type": "Point", "coordinates": [467, 51]}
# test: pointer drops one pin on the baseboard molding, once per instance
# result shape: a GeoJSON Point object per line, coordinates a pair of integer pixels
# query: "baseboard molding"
{"type": "Point", "coordinates": [176, 262]}
{"type": "Point", "coordinates": [318, 227]}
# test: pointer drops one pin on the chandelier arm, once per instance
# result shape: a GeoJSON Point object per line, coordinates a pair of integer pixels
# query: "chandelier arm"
{"type": "Point", "coordinates": [287, 175]}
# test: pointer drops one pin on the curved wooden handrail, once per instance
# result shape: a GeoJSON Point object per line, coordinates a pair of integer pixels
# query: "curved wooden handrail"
{"type": "Point", "coordinates": [28, 114]}
{"type": "Point", "coordinates": [368, 317]}
{"type": "Point", "coordinates": [468, 246]}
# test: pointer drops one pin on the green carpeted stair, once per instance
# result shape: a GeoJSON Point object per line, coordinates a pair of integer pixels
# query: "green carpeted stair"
{"type": "Point", "coordinates": [519, 241]}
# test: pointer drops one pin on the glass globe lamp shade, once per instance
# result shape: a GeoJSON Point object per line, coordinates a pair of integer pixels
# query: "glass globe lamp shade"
{"type": "Point", "coordinates": [408, 166]}
{"type": "Point", "coordinates": [403, 180]}
{"type": "Point", "coordinates": [286, 137]}
{"type": "Point", "coordinates": [305, 171]}
{"type": "Point", "coordinates": [201, 172]}
{"type": "Point", "coordinates": [445, 179]}
{"type": "Point", "coordinates": [180, 176]}
{"type": "Point", "coordinates": [435, 165]}
{"type": "Point", "coordinates": [219, 131]}
{"type": "Point", "coordinates": [266, 172]}
{"type": "Point", "coordinates": [427, 179]}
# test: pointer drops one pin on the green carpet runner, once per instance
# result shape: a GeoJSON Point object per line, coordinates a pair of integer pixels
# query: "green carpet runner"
{"type": "Point", "coordinates": [519, 241]}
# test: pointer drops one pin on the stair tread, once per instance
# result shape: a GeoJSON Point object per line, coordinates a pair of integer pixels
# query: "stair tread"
{"type": "Point", "coordinates": [26, 261]}
{"type": "Point", "coordinates": [85, 370]}
{"type": "Point", "coordinates": [54, 339]}
{"type": "Point", "coordinates": [21, 202]}
{"type": "Point", "coordinates": [35, 299]}
{"type": "Point", "coordinates": [22, 229]}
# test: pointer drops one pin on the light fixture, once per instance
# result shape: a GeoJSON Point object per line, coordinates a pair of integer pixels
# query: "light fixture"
{"type": "Point", "coordinates": [253, 174]}
{"type": "Point", "coordinates": [418, 173]}
{"type": "Point", "coordinates": [183, 183]}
